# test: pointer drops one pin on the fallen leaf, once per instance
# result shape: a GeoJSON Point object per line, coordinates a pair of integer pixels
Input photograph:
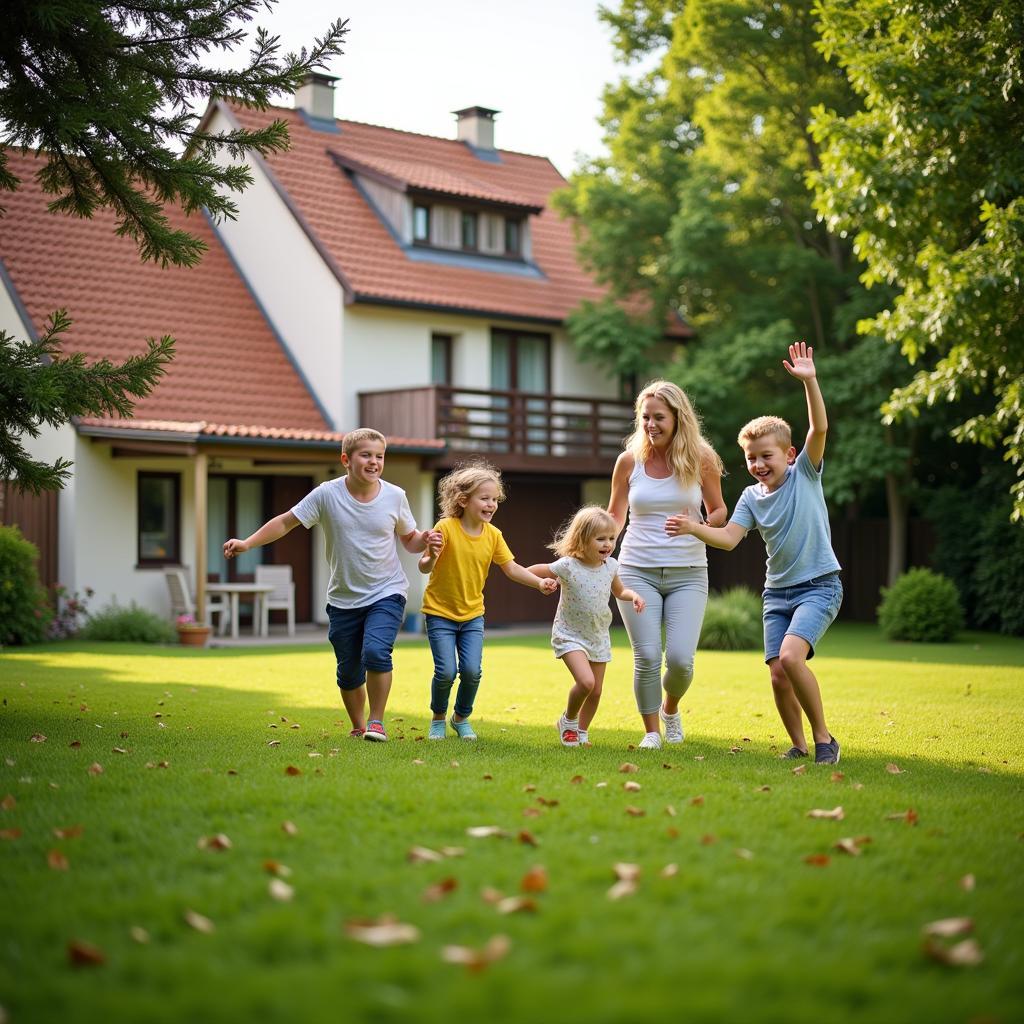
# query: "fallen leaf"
{"type": "Point", "coordinates": [139, 934]}
{"type": "Point", "coordinates": [455, 764]}
{"type": "Point", "coordinates": [708, 839]}
{"type": "Point", "coordinates": [199, 922]}
{"type": "Point", "coordinates": [535, 880]}
{"type": "Point", "coordinates": [894, 769]}
{"type": "Point", "coordinates": [635, 812]}
{"type": "Point", "coordinates": [627, 767]}
{"type": "Point", "coordinates": [836, 777]}
{"type": "Point", "coordinates": [83, 954]}
{"type": "Point", "coordinates": [531, 812]}
{"type": "Point", "coordinates": [631, 787]}
{"type": "Point", "coordinates": [453, 851]}
{"type": "Point", "coordinates": [735, 750]}
{"type": "Point", "coordinates": [529, 788]}
{"type": "Point", "coordinates": [909, 816]}
{"type": "Point", "coordinates": [383, 932]}
{"type": "Point", "coordinates": [289, 828]}
{"type": "Point", "coordinates": [948, 928]}
{"type": "Point", "coordinates": [967, 883]}
{"type": "Point", "coordinates": [71, 832]}
{"type": "Point", "coordinates": [292, 770]}
{"type": "Point", "coordinates": [668, 767]}
{"type": "Point", "coordinates": [764, 789]}
{"type": "Point", "coordinates": [280, 890]}
{"type": "Point", "coordinates": [626, 872]}
{"type": "Point", "coordinates": [836, 814]}
{"type": "Point", "coordinates": [491, 895]}
{"type": "Point", "coordinates": [516, 905]}
{"type": "Point", "coordinates": [9, 803]}
{"type": "Point", "coordinates": [95, 769]}
{"type": "Point", "coordinates": [669, 871]}
{"type": "Point", "coordinates": [600, 785]}
{"type": "Point", "coordinates": [437, 891]}
{"type": "Point", "coordinates": [10, 833]}
{"type": "Point", "coordinates": [576, 780]}
{"type": "Point", "coordinates": [527, 838]}
{"type": "Point", "coordinates": [744, 854]}
{"type": "Point", "coordinates": [275, 867]}
{"type": "Point", "coordinates": [423, 855]}
{"type": "Point", "coordinates": [119, 750]}
{"type": "Point", "coordinates": [697, 801]}
{"type": "Point", "coordinates": [672, 832]}
{"type": "Point", "coordinates": [961, 954]}
{"type": "Point", "coordinates": [273, 743]}
{"type": "Point", "coordinates": [623, 887]}
{"type": "Point", "coordinates": [217, 842]}
{"type": "Point", "coordinates": [56, 860]}
{"type": "Point", "coordinates": [477, 959]}
{"type": "Point", "coordinates": [817, 860]}
{"type": "Point", "coordinates": [37, 737]}
{"type": "Point", "coordinates": [847, 845]}
{"type": "Point", "coordinates": [670, 810]}
{"type": "Point", "coordinates": [74, 744]}
{"type": "Point", "coordinates": [488, 777]}
{"type": "Point", "coordinates": [547, 801]}
{"type": "Point", "coordinates": [800, 769]}
{"type": "Point", "coordinates": [486, 831]}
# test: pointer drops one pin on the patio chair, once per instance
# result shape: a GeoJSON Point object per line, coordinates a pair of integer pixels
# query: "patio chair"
{"type": "Point", "coordinates": [282, 597]}
{"type": "Point", "coordinates": [183, 604]}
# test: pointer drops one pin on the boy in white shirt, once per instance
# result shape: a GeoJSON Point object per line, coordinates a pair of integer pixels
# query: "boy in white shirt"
{"type": "Point", "coordinates": [361, 515]}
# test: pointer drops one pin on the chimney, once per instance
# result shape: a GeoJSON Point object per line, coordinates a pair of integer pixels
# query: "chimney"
{"type": "Point", "coordinates": [315, 97]}
{"type": "Point", "coordinates": [476, 127]}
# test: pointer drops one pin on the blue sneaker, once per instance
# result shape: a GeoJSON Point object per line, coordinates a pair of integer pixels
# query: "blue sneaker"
{"type": "Point", "coordinates": [464, 729]}
{"type": "Point", "coordinates": [793, 754]}
{"type": "Point", "coordinates": [827, 753]}
{"type": "Point", "coordinates": [437, 731]}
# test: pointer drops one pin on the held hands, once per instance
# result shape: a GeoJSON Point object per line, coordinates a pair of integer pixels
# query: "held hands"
{"type": "Point", "coordinates": [679, 525]}
{"type": "Point", "coordinates": [434, 541]}
{"type": "Point", "coordinates": [235, 547]}
{"type": "Point", "coordinates": [547, 586]}
{"type": "Point", "coordinates": [801, 362]}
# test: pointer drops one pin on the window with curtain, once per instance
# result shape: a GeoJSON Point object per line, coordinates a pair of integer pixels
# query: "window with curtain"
{"type": "Point", "coordinates": [159, 518]}
{"type": "Point", "coordinates": [440, 359]}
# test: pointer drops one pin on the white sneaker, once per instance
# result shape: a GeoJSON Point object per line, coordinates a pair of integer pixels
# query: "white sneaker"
{"type": "Point", "coordinates": [584, 738]}
{"type": "Point", "coordinates": [673, 726]}
{"type": "Point", "coordinates": [651, 741]}
{"type": "Point", "coordinates": [568, 732]}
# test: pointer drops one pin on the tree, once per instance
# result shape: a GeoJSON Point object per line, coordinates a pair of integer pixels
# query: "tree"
{"type": "Point", "coordinates": [107, 92]}
{"type": "Point", "coordinates": [702, 205]}
{"type": "Point", "coordinates": [927, 178]}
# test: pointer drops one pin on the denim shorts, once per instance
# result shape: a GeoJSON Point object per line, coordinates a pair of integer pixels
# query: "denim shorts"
{"type": "Point", "coordinates": [363, 638]}
{"type": "Point", "coordinates": [805, 610]}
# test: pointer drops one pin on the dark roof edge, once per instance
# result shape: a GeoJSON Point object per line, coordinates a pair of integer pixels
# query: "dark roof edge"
{"type": "Point", "coordinates": [439, 307]}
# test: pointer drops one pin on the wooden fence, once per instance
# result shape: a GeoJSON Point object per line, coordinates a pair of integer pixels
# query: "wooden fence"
{"type": "Point", "coordinates": [36, 517]}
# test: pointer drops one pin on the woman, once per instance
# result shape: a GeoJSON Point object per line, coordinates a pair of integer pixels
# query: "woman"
{"type": "Point", "coordinates": [667, 467]}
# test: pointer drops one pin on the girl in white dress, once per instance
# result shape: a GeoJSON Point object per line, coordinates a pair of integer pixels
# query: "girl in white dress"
{"type": "Point", "coordinates": [588, 576]}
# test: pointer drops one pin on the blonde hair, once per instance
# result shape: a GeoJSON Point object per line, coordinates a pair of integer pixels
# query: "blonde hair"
{"type": "Point", "coordinates": [764, 426]}
{"type": "Point", "coordinates": [354, 438]}
{"type": "Point", "coordinates": [688, 452]}
{"type": "Point", "coordinates": [464, 480]}
{"type": "Point", "coordinates": [575, 534]}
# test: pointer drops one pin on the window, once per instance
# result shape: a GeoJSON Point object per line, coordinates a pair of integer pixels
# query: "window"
{"type": "Point", "coordinates": [440, 359]}
{"type": "Point", "coordinates": [468, 230]}
{"type": "Point", "coordinates": [513, 230]}
{"type": "Point", "coordinates": [421, 223]}
{"type": "Point", "coordinates": [159, 519]}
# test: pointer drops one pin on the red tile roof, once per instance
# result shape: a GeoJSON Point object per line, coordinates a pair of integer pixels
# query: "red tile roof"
{"type": "Point", "coordinates": [229, 368]}
{"type": "Point", "coordinates": [375, 267]}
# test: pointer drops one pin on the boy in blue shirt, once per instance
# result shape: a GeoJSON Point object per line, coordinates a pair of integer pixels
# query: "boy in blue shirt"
{"type": "Point", "coordinates": [802, 587]}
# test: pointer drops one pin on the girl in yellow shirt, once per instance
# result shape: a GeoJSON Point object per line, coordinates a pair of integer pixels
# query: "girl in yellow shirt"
{"type": "Point", "coordinates": [453, 605]}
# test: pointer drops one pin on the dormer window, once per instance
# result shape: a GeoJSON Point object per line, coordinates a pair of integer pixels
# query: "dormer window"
{"type": "Point", "coordinates": [421, 223]}
{"type": "Point", "coordinates": [513, 243]}
{"type": "Point", "coordinates": [469, 222]}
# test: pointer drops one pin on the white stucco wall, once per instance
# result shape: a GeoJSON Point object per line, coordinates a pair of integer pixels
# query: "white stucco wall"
{"type": "Point", "coordinates": [299, 294]}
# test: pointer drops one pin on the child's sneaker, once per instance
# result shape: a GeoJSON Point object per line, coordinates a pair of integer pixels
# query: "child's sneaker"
{"type": "Point", "coordinates": [463, 729]}
{"type": "Point", "coordinates": [673, 726]}
{"type": "Point", "coordinates": [436, 729]}
{"type": "Point", "coordinates": [567, 732]}
{"type": "Point", "coordinates": [584, 736]}
{"type": "Point", "coordinates": [375, 731]}
{"type": "Point", "coordinates": [356, 734]}
{"type": "Point", "coordinates": [651, 741]}
{"type": "Point", "coordinates": [793, 754]}
{"type": "Point", "coordinates": [827, 753]}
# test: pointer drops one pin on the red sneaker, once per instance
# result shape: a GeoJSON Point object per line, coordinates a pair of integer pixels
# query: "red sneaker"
{"type": "Point", "coordinates": [375, 732]}
{"type": "Point", "coordinates": [570, 737]}
{"type": "Point", "coordinates": [357, 734]}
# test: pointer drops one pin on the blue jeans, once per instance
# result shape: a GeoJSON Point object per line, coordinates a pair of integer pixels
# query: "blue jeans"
{"type": "Point", "coordinates": [805, 610]}
{"type": "Point", "coordinates": [458, 648]}
{"type": "Point", "coordinates": [363, 638]}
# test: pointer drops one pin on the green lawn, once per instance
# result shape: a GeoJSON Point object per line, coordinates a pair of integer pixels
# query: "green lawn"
{"type": "Point", "coordinates": [744, 930]}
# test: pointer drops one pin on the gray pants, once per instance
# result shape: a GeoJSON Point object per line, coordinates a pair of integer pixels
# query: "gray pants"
{"type": "Point", "coordinates": [676, 599]}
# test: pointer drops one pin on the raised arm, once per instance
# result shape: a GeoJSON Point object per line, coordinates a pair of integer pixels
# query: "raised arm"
{"type": "Point", "coordinates": [618, 503]}
{"type": "Point", "coordinates": [273, 529]}
{"type": "Point", "coordinates": [801, 366]}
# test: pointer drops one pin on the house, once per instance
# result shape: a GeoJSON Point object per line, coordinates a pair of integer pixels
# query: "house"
{"type": "Point", "coordinates": [373, 277]}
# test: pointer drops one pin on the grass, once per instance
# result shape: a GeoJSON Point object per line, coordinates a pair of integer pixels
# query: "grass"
{"type": "Point", "coordinates": [746, 930]}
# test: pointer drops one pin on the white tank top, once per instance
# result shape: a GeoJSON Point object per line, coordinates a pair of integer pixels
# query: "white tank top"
{"type": "Point", "coordinates": [651, 502]}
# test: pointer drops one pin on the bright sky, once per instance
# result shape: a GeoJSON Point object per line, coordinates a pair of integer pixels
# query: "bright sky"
{"type": "Point", "coordinates": [408, 64]}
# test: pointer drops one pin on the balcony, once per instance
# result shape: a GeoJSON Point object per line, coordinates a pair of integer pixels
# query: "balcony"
{"type": "Point", "coordinates": [515, 430]}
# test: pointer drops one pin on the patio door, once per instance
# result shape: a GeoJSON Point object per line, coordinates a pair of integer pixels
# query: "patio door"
{"type": "Point", "coordinates": [521, 362]}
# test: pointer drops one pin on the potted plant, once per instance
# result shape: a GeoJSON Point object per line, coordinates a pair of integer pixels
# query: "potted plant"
{"type": "Point", "coordinates": [192, 633]}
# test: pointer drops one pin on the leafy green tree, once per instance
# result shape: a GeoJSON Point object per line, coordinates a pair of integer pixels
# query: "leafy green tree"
{"type": "Point", "coordinates": [927, 179]}
{"type": "Point", "coordinates": [107, 92]}
{"type": "Point", "coordinates": [702, 207]}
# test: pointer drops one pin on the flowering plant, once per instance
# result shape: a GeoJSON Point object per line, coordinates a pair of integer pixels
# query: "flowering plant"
{"type": "Point", "coordinates": [186, 620]}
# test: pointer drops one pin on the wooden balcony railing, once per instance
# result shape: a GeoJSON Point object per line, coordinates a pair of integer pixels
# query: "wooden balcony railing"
{"type": "Point", "coordinates": [510, 427]}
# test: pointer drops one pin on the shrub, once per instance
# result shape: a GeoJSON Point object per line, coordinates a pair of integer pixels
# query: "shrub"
{"type": "Point", "coordinates": [732, 621]}
{"type": "Point", "coordinates": [71, 608]}
{"type": "Point", "coordinates": [25, 612]}
{"type": "Point", "coordinates": [132, 624]}
{"type": "Point", "coordinates": [921, 605]}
